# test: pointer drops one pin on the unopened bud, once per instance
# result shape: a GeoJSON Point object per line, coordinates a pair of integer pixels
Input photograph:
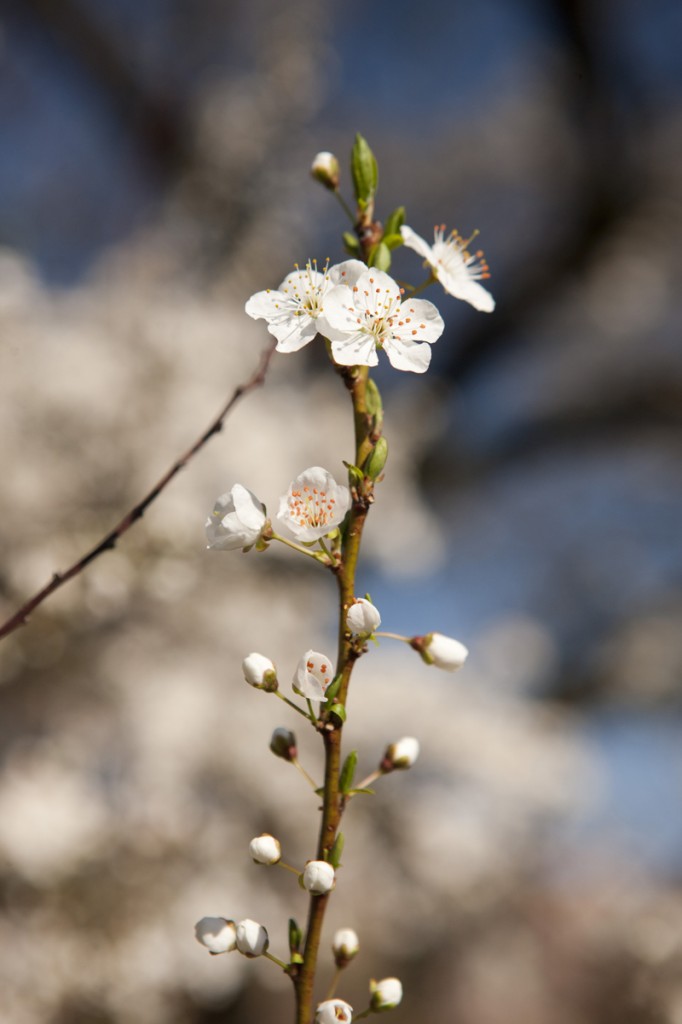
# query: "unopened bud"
{"type": "Point", "coordinates": [442, 651]}
{"type": "Point", "coordinates": [400, 755]}
{"type": "Point", "coordinates": [217, 934]}
{"type": "Point", "coordinates": [252, 938]}
{"type": "Point", "coordinates": [283, 744]}
{"type": "Point", "coordinates": [385, 994]}
{"type": "Point", "coordinates": [318, 877]}
{"type": "Point", "coordinates": [333, 1011]}
{"type": "Point", "coordinates": [362, 618]}
{"type": "Point", "coordinates": [376, 460]}
{"type": "Point", "coordinates": [260, 672]}
{"type": "Point", "coordinates": [325, 169]}
{"type": "Point", "coordinates": [265, 849]}
{"type": "Point", "coordinates": [345, 946]}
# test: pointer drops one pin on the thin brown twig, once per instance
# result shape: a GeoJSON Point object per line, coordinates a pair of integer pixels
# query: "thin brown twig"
{"type": "Point", "coordinates": [20, 618]}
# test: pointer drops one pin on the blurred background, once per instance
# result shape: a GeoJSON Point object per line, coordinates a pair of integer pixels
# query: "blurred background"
{"type": "Point", "coordinates": [154, 174]}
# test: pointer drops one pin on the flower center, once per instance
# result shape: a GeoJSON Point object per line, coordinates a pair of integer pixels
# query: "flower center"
{"type": "Point", "coordinates": [311, 506]}
{"type": "Point", "coordinates": [453, 256]}
{"type": "Point", "coordinates": [307, 289]}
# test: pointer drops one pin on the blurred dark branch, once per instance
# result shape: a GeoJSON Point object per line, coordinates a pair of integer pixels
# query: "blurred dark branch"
{"type": "Point", "coordinates": [154, 121]}
{"type": "Point", "coordinates": [20, 618]}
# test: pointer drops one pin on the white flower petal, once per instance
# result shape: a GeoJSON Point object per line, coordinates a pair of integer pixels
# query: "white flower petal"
{"type": "Point", "coordinates": [313, 675]}
{"type": "Point", "coordinates": [408, 355]}
{"type": "Point", "coordinates": [414, 241]}
{"type": "Point", "coordinates": [229, 527]}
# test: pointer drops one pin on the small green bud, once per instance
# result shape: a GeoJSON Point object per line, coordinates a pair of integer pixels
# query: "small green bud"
{"type": "Point", "coordinates": [325, 169]}
{"type": "Point", "coordinates": [364, 171]}
{"type": "Point", "coordinates": [376, 460]}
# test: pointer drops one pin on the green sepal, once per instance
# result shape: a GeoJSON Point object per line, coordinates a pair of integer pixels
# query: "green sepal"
{"type": "Point", "coordinates": [333, 688]}
{"type": "Point", "coordinates": [392, 241]}
{"type": "Point", "coordinates": [339, 711]}
{"type": "Point", "coordinates": [379, 257]}
{"type": "Point", "coordinates": [334, 856]}
{"type": "Point", "coordinates": [295, 937]}
{"type": "Point", "coordinates": [364, 171]}
{"type": "Point", "coordinates": [394, 223]}
{"type": "Point", "coordinates": [351, 243]}
{"type": "Point", "coordinates": [348, 772]}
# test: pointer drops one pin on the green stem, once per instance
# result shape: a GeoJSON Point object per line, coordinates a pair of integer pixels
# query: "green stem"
{"type": "Point", "coordinates": [346, 208]}
{"type": "Point", "coordinates": [303, 772]}
{"type": "Point", "coordinates": [276, 960]}
{"type": "Point", "coordinates": [291, 704]}
{"type": "Point", "coordinates": [317, 555]}
{"type": "Point", "coordinates": [355, 379]}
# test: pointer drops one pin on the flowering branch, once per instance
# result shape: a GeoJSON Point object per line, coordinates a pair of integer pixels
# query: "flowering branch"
{"type": "Point", "coordinates": [358, 311]}
{"type": "Point", "coordinates": [108, 542]}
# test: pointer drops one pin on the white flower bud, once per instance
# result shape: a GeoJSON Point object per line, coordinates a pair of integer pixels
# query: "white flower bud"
{"type": "Point", "coordinates": [401, 754]}
{"type": "Point", "coordinates": [333, 1011]}
{"type": "Point", "coordinates": [237, 520]}
{"type": "Point", "coordinates": [385, 994]}
{"type": "Point", "coordinates": [442, 651]}
{"type": "Point", "coordinates": [260, 672]}
{"type": "Point", "coordinates": [345, 946]}
{"type": "Point", "coordinates": [216, 933]}
{"type": "Point", "coordinates": [283, 744]}
{"type": "Point", "coordinates": [362, 617]}
{"type": "Point", "coordinates": [265, 849]}
{"type": "Point", "coordinates": [318, 877]}
{"type": "Point", "coordinates": [252, 938]}
{"type": "Point", "coordinates": [325, 168]}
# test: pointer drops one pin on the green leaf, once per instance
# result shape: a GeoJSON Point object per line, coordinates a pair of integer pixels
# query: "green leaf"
{"type": "Point", "coordinates": [379, 257]}
{"type": "Point", "coordinates": [339, 711]}
{"type": "Point", "coordinates": [295, 936]}
{"type": "Point", "coordinates": [376, 460]}
{"type": "Point", "coordinates": [394, 222]}
{"type": "Point", "coordinates": [348, 772]}
{"type": "Point", "coordinates": [355, 474]}
{"type": "Point", "coordinates": [364, 171]}
{"type": "Point", "coordinates": [351, 243]}
{"type": "Point", "coordinates": [364, 789]}
{"type": "Point", "coordinates": [392, 241]}
{"type": "Point", "coordinates": [334, 857]}
{"type": "Point", "coordinates": [333, 688]}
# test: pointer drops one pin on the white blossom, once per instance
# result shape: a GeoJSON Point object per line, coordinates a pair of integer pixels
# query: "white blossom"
{"type": "Point", "coordinates": [345, 945]}
{"type": "Point", "coordinates": [252, 938]}
{"type": "Point", "coordinates": [458, 270]}
{"type": "Point", "coordinates": [333, 1011]}
{"type": "Point", "coordinates": [385, 994]}
{"type": "Point", "coordinates": [259, 671]}
{"type": "Point", "coordinates": [442, 651]}
{"type": "Point", "coordinates": [363, 617]}
{"type": "Point", "coordinates": [401, 754]}
{"type": "Point", "coordinates": [265, 849]}
{"type": "Point", "coordinates": [313, 675]}
{"type": "Point", "coordinates": [236, 521]}
{"type": "Point", "coordinates": [318, 877]}
{"type": "Point", "coordinates": [314, 505]}
{"type": "Point", "coordinates": [292, 310]}
{"type": "Point", "coordinates": [217, 934]}
{"type": "Point", "coordinates": [370, 315]}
